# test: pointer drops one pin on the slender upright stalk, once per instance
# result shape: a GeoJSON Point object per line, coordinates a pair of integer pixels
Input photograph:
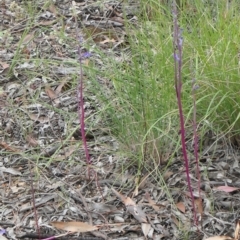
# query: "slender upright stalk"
{"type": "Point", "coordinates": [81, 113]}
{"type": "Point", "coordinates": [195, 135]}
{"type": "Point", "coordinates": [178, 56]}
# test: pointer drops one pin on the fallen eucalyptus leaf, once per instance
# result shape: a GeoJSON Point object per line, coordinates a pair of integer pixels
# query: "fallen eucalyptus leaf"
{"type": "Point", "coordinates": [220, 238]}
{"type": "Point", "coordinates": [74, 226]}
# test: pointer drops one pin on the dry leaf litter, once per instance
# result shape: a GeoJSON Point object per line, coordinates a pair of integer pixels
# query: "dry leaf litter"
{"type": "Point", "coordinates": [41, 148]}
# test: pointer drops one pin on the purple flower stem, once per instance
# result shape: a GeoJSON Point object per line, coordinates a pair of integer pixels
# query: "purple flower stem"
{"type": "Point", "coordinates": [195, 137]}
{"type": "Point", "coordinates": [177, 45]}
{"type": "Point", "coordinates": [81, 113]}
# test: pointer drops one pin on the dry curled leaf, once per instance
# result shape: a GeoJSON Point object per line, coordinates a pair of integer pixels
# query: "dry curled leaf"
{"type": "Point", "coordinates": [237, 230]}
{"type": "Point", "coordinates": [60, 87]}
{"type": "Point", "coordinates": [151, 202]}
{"type": "Point", "coordinates": [226, 189]}
{"type": "Point", "coordinates": [199, 205]}
{"type": "Point", "coordinates": [167, 175]}
{"type": "Point", "coordinates": [181, 206]}
{"type": "Point", "coordinates": [53, 9]}
{"type": "Point", "coordinates": [52, 95]}
{"type": "Point", "coordinates": [4, 65]}
{"type": "Point", "coordinates": [36, 118]}
{"type": "Point", "coordinates": [129, 202]}
{"type": "Point", "coordinates": [220, 238]}
{"type": "Point", "coordinates": [126, 200]}
{"type": "Point", "coordinates": [10, 171]}
{"type": "Point", "coordinates": [119, 195]}
{"type": "Point", "coordinates": [146, 227]}
{"type": "Point", "coordinates": [28, 38]}
{"type": "Point", "coordinates": [132, 207]}
{"type": "Point", "coordinates": [108, 40]}
{"type": "Point", "coordinates": [31, 141]}
{"type": "Point", "coordinates": [74, 226]}
{"type": "Point", "coordinates": [7, 147]}
{"type": "Point", "coordinates": [137, 213]}
{"type": "Point", "coordinates": [46, 23]}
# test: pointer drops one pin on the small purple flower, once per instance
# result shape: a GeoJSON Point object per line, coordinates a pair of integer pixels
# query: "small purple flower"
{"type": "Point", "coordinates": [195, 87]}
{"type": "Point", "coordinates": [176, 57]}
{"type": "Point", "coordinates": [84, 55]}
{"type": "Point", "coordinates": [80, 38]}
{"type": "Point", "coordinates": [180, 41]}
{"type": "Point", "coordinates": [2, 231]}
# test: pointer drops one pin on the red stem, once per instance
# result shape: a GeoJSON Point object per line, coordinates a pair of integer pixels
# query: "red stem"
{"type": "Point", "coordinates": [177, 44]}
{"type": "Point", "coordinates": [195, 139]}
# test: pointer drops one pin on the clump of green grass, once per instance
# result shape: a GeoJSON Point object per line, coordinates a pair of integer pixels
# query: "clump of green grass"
{"type": "Point", "coordinates": [142, 107]}
{"type": "Point", "coordinates": [212, 40]}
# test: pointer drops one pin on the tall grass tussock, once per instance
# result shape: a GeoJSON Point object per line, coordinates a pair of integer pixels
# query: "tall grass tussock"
{"type": "Point", "coordinates": [142, 109]}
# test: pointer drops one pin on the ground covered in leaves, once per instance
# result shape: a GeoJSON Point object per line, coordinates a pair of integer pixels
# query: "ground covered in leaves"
{"type": "Point", "coordinates": [44, 174]}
